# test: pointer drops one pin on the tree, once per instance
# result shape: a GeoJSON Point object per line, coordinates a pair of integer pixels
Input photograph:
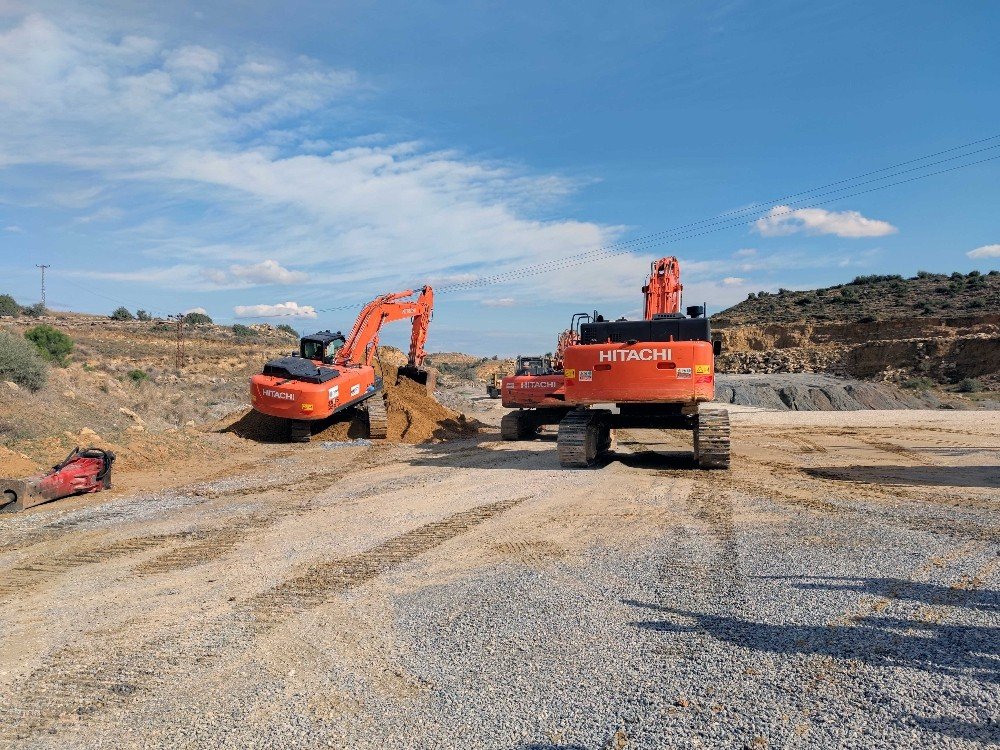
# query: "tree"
{"type": "Point", "coordinates": [194, 318]}
{"type": "Point", "coordinates": [143, 315]}
{"type": "Point", "coordinates": [241, 331]}
{"type": "Point", "coordinates": [122, 313]}
{"type": "Point", "coordinates": [288, 329]}
{"type": "Point", "coordinates": [36, 310]}
{"type": "Point", "coordinates": [54, 345]}
{"type": "Point", "coordinates": [8, 306]}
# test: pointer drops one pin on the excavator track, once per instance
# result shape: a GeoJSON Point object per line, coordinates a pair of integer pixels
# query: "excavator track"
{"type": "Point", "coordinates": [518, 425]}
{"type": "Point", "coordinates": [711, 439]}
{"type": "Point", "coordinates": [378, 419]}
{"type": "Point", "coordinates": [299, 431]}
{"type": "Point", "coordinates": [584, 434]}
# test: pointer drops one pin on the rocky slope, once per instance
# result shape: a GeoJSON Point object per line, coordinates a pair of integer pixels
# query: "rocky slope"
{"type": "Point", "coordinates": [895, 340]}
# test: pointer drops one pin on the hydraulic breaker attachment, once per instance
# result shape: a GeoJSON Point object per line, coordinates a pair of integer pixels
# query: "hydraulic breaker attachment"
{"type": "Point", "coordinates": [81, 472]}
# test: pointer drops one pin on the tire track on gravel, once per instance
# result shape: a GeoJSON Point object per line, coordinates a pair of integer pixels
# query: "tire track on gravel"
{"type": "Point", "coordinates": [79, 681]}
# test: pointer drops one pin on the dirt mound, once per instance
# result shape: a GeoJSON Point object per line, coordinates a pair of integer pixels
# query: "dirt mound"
{"type": "Point", "coordinates": [414, 417]}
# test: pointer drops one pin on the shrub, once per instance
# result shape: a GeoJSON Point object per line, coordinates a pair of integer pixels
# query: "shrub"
{"type": "Point", "coordinates": [122, 313]}
{"type": "Point", "coordinates": [923, 275]}
{"type": "Point", "coordinates": [876, 278]}
{"type": "Point", "coordinates": [973, 274]}
{"type": "Point", "coordinates": [195, 318]}
{"type": "Point", "coordinates": [918, 384]}
{"type": "Point", "coordinates": [36, 310]}
{"type": "Point", "coordinates": [751, 296]}
{"type": "Point", "coordinates": [8, 306]}
{"type": "Point", "coordinates": [970, 385]}
{"type": "Point", "coordinates": [957, 276]}
{"type": "Point", "coordinates": [288, 329]}
{"type": "Point", "coordinates": [137, 376]}
{"type": "Point", "coordinates": [53, 344]}
{"type": "Point", "coordinates": [20, 362]}
{"type": "Point", "coordinates": [241, 331]}
{"type": "Point", "coordinates": [975, 303]}
{"type": "Point", "coordinates": [143, 315]}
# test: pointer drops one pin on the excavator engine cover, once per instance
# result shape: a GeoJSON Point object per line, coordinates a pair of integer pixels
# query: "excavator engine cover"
{"type": "Point", "coordinates": [81, 472]}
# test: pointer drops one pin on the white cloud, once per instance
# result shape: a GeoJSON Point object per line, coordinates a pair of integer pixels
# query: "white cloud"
{"type": "Point", "coordinates": [280, 310]}
{"type": "Point", "coordinates": [265, 272]}
{"type": "Point", "coordinates": [746, 252]}
{"type": "Point", "coordinates": [733, 281]}
{"type": "Point", "coordinates": [986, 251]}
{"type": "Point", "coordinates": [782, 220]}
{"type": "Point", "coordinates": [499, 302]}
{"type": "Point", "coordinates": [200, 310]}
{"type": "Point", "coordinates": [13, 228]}
{"type": "Point", "coordinates": [164, 126]}
{"type": "Point", "coordinates": [108, 213]}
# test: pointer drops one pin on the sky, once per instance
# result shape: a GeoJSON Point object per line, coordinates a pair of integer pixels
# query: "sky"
{"type": "Point", "coordinates": [284, 162]}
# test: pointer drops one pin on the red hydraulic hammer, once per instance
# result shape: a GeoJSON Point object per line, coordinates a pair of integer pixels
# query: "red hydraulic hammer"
{"type": "Point", "coordinates": [83, 471]}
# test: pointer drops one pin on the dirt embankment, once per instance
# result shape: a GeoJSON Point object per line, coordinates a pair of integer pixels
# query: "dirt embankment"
{"type": "Point", "coordinates": [947, 350]}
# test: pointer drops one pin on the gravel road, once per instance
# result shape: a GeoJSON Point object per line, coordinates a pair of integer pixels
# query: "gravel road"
{"type": "Point", "coordinates": [837, 588]}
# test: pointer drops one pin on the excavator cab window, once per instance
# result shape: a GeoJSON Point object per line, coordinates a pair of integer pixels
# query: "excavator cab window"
{"type": "Point", "coordinates": [313, 349]}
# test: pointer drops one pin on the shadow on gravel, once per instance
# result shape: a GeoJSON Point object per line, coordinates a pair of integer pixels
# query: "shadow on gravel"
{"type": "Point", "coordinates": [480, 452]}
{"type": "Point", "coordinates": [987, 732]}
{"type": "Point", "coordinates": [937, 476]}
{"type": "Point", "coordinates": [898, 588]}
{"type": "Point", "coordinates": [885, 642]}
{"type": "Point", "coordinates": [549, 746]}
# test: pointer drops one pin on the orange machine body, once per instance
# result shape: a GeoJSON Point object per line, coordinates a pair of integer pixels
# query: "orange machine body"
{"type": "Point", "coordinates": [532, 391]}
{"type": "Point", "coordinates": [653, 372]}
{"type": "Point", "coordinates": [332, 372]}
{"type": "Point", "coordinates": [294, 399]}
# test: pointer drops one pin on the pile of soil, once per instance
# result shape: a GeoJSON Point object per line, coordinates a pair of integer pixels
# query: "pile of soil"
{"type": "Point", "coordinates": [415, 416]}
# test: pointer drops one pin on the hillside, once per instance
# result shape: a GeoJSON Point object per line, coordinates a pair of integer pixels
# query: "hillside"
{"type": "Point", "coordinates": [929, 330]}
{"type": "Point", "coordinates": [870, 298]}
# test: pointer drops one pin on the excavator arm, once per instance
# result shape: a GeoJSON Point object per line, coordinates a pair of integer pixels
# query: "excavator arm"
{"type": "Point", "coordinates": [663, 288]}
{"type": "Point", "coordinates": [359, 348]}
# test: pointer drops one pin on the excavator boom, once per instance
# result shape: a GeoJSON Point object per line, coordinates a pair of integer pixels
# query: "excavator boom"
{"type": "Point", "coordinates": [663, 288]}
{"type": "Point", "coordinates": [359, 348]}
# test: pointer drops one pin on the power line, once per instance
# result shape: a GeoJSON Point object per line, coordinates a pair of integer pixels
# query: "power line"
{"type": "Point", "coordinates": [677, 234]}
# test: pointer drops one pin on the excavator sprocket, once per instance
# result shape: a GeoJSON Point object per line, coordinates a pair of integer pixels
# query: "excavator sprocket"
{"type": "Point", "coordinates": [584, 434]}
{"type": "Point", "coordinates": [711, 439]}
{"type": "Point", "coordinates": [378, 419]}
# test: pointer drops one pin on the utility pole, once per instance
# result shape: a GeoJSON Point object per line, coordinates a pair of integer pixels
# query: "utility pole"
{"type": "Point", "coordinates": [43, 267]}
{"type": "Point", "coordinates": [179, 356]}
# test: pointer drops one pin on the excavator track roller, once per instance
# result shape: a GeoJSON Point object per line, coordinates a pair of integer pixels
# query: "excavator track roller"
{"type": "Point", "coordinates": [584, 434]}
{"type": "Point", "coordinates": [378, 418]}
{"type": "Point", "coordinates": [518, 425]}
{"type": "Point", "coordinates": [711, 439]}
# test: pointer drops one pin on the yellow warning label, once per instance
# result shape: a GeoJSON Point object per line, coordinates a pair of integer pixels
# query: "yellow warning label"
{"type": "Point", "coordinates": [703, 369]}
{"type": "Point", "coordinates": [570, 373]}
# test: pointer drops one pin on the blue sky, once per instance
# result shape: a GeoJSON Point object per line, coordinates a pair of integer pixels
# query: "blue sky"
{"type": "Point", "coordinates": [255, 158]}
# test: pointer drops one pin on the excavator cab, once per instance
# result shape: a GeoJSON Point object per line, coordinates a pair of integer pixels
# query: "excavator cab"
{"type": "Point", "coordinates": [321, 346]}
{"type": "Point", "coordinates": [535, 365]}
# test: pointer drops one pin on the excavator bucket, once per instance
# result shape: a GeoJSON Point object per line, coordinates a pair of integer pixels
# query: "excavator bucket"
{"type": "Point", "coordinates": [19, 494]}
{"type": "Point", "coordinates": [426, 377]}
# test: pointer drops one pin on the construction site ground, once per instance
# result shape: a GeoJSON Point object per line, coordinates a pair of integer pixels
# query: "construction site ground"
{"type": "Point", "coordinates": [838, 587]}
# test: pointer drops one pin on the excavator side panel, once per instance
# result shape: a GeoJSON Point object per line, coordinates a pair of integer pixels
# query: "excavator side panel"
{"type": "Point", "coordinates": [532, 391]}
{"type": "Point", "coordinates": [299, 400]}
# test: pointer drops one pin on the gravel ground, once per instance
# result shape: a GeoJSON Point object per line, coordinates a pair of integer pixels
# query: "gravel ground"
{"type": "Point", "coordinates": [837, 588]}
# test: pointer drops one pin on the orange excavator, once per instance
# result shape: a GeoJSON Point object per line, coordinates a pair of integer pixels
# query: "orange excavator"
{"type": "Point", "coordinates": [534, 391]}
{"type": "Point", "coordinates": [654, 373]}
{"type": "Point", "coordinates": [332, 372]}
